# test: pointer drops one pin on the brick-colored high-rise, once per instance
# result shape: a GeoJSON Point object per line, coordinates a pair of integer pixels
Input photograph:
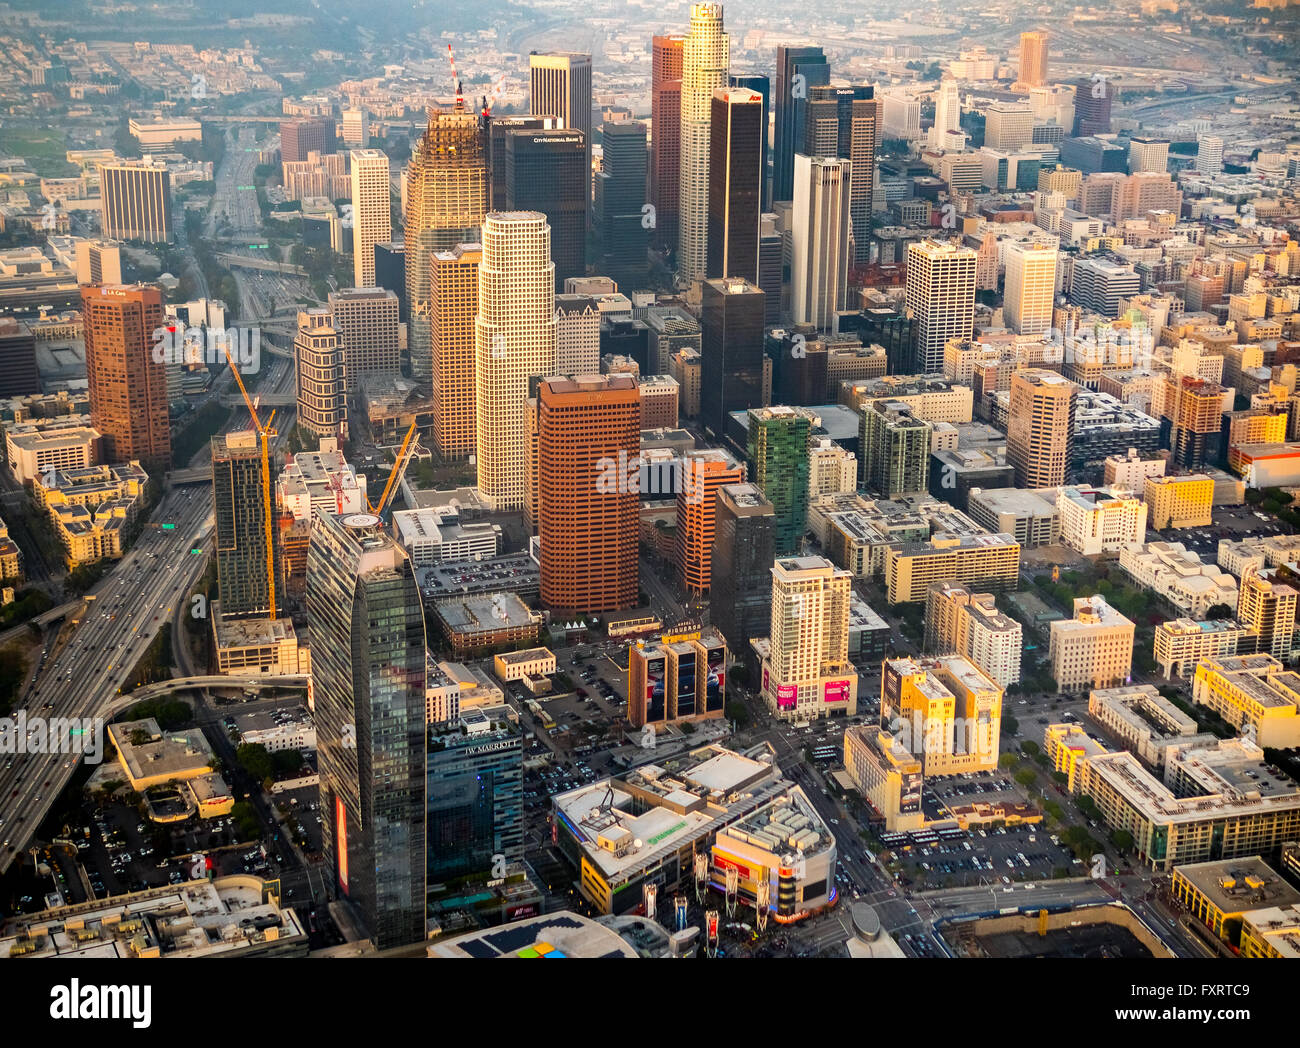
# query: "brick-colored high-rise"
{"type": "Point", "coordinates": [665, 135]}
{"type": "Point", "coordinates": [127, 385]}
{"type": "Point", "coordinates": [1040, 427]}
{"type": "Point", "coordinates": [1033, 59]}
{"type": "Point", "coordinates": [453, 305]}
{"type": "Point", "coordinates": [703, 473]}
{"type": "Point", "coordinates": [588, 432]}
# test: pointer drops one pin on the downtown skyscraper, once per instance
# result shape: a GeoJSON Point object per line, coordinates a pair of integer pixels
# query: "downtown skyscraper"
{"type": "Point", "coordinates": [941, 297]}
{"type": "Point", "coordinates": [514, 340]}
{"type": "Point", "coordinates": [822, 226]}
{"type": "Point", "coordinates": [560, 86]}
{"type": "Point", "coordinates": [666, 137]}
{"type": "Point", "coordinates": [843, 120]}
{"type": "Point", "coordinates": [547, 171]}
{"type": "Point", "coordinates": [706, 61]}
{"type": "Point", "coordinates": [372, 212]}
{"type": "Point", "coordinates": [797, 70]}
{"type": "Point", "coordinates": [127, 379]}
{"type": "Point", "coordinates": [244, 537]}
{"type": "Point", "coordinates": [735, 183]}
{"type": "Point", "coordinates": [368, 674]}
{"type": "Point", "coordinates": [446, 199]}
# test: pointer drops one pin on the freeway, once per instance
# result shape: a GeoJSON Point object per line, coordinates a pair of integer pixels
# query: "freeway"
{"type": "Point", "coordinates": [129, 608]}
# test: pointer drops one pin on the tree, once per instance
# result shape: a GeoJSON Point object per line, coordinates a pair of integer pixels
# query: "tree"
{"type": "Point", "coordinates": [1122, 839]}
{"type": "Point", "coordinates": [1030, 748]}
{"type": "Point", "coordinates": [254, 759]}
{"type": "Point", "coordinates": [1026, 776]}
{"type": "Point", "coordinates": [1010, 725]}
{"type": "Point", "coordinates": [1007, 760]}
{"type": "Point", "coordinates": [1219, 611]}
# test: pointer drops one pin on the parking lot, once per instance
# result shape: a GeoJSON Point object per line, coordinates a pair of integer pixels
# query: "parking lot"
{"type": "Point", "coordinates": [986, 856]}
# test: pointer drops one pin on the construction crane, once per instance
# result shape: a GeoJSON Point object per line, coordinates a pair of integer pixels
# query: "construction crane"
{"type": "Point", "coordinates": [394, 477]}
{"type": "Point", "coordinates": [491, 100]}
{"type": "Point", "coordinates": [264, 432]}
{"type": "Point", "coordinates": [460, 98]}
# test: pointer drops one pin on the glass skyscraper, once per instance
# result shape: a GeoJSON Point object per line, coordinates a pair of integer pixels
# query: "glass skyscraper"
{"type": "Point", "coordinates": [368, 676]}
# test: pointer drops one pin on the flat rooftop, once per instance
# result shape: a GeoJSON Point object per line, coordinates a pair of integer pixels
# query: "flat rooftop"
{"type": "Point", "coordinates": [1237, 885]}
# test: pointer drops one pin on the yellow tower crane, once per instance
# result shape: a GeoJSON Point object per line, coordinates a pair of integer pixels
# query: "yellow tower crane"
{"type": "Point", "coordinates": [395, 476]}
{"type": "Point", "coordinates": [265, 433]}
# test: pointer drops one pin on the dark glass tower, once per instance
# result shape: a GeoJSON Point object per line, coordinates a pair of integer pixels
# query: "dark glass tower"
{"type": "Point", "coordinates": [731, 350]}
{"type": "Point", "coordinates": [620, 196]}
{"type": "Point", "coordinates": [368, 675]}
{"type": "Point", "coordinates": [547, 171]}
{"type": "Point", "coordinates": [239, 509]}
{"type": "Point", "coordinates": [743, 554]}
{"type": "Point", "coordinates": [735, 183]}
{"type": "Point", "coordinates": [761, 83]}
{"type": "Point", "coordinates": [843, 121]}
{"type": "Point", "coordinates": [791, 95]}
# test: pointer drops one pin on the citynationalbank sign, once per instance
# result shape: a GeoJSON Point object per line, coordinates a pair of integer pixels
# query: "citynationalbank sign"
{"type": "Point", "coordinates": [666, 833]}
{"type": "Point", "coordinates": [558, 141]}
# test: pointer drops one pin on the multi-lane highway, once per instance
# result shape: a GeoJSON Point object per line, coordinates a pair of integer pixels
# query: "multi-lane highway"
{"type": "Point", "coordinates": [128, 608]}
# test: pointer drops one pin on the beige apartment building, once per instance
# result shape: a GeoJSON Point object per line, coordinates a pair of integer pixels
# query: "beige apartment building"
{"type": "Point", "coordinates": [1092, 650]}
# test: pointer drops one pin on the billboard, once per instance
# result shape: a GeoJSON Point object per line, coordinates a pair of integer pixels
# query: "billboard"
{"type": "Point", "coordinates": [686, 671]}
{"type": "Point", "coordinates": [835, 691]}
{"type": "Point", "coordinates": [341, 837]}
{"type": "Point", "coordinates": [716, 682]}
{"type": "Point", "coordinates": [787, 696]}
{"type": "Point", "coordinates": [655, 709]}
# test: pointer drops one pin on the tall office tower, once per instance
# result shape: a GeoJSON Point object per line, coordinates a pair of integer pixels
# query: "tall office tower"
{"type": "Point", "coordinates": [778, 454]}
{"type": "Point", "coordinates": [822, 228]}
{"type": "Point", "coordinates": [356, 128]}
{"type": "Point", "coordinates": [1266, 606]}
{"type": "Point", "coordinates": [366, 319]}
{"type": "Point", "coordinates": [545, 172]}
{"type": "Point", "coordinates": [771, 267]}
{"type": "Point", "coordinates": [577, 335]}
{"type": "Point", "coordinates": [665, 137]}
{"type": "Point", "coordinates": [1030, 286]}
{"type": "Point", "coordinates": [731, 351]}
{"type": "Point", "coordinates": [762, 84]}
{"type": "Point", "coordinates": [941, 296]}
{"type": "Point", "coordinates": [806, 672]}
{"type": "Point", "coordinates": [1040, 427]}
{"type": "Point", "coordinates": [321, 379]}
{"type": "Point", "coordinates": [560, 86]}
{"type": "Point", "coordinates": [1148, 154]}
{"type": "Point", "coordinates": [126, 385]}
{"type": "Point", "coordinates": [99, 262]}
{"type": "Point", "coordinates": [245, 542]}
{"type": "Point", "coordinates": [303, 136]}
{"type": "Point", "coordinates": [798, 70]}
{"type": "Point", "coordinates": [735, 183]}
{"type": "Point", "coordinates": [704, 474]}
{"type": "Point", "coordinates": [620, 196]}
{"type": "Point", "coordinates": [1008, 125]}
{"type": "Point", "coordinates": [900, 116]}
{"type": "Point", "coordinates": [1100, 285]}
{"type": "Point", "coordinates": [706, 58]}
{"type": "Point", "coordinates": [369, 659]}
{"type": "Point", "coordinates": [1033, 60]}
{"type": "Point", "coordinates": [446, 199]}
{"type": "Point", "coordinates": [136, 201]}
{"type": "Point", "coordinates": [498, 130]}
{"type": "Point", "coordinates": [372, 212]}
{"type": "Point", "coordinates": [588, 427]}
{"type": "Point", "coordinates": [947, 113]}
{"type": "Point", "coordinates": [390, 273]}
{"type": "Point", "coordinates": [895, 449]}
{"type": "Point", "coordinates": [1191, 420]}
{"type": "Point", "coordinates": [19, 374]}
{"type": "Point", "coordinates": [741, 568]}
{"type": "Point", "coordinates": [453, 307]}
{"type": "Point", "coordinates": [1092, 101]}
{"type": "Point", "coordinates": [1209, 154]}
{"type": "Point", "coordinates": [514, 340]}
{"type": "Point", "coordinates": [843, 120]}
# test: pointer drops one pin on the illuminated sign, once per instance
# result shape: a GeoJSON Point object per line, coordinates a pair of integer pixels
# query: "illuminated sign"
{"type": "Point", "coordinates": [835, 691]}
{"type": "Point", "coordinates": [341, 822]}
{"type": "Point", "coordinates": [787, 696]}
